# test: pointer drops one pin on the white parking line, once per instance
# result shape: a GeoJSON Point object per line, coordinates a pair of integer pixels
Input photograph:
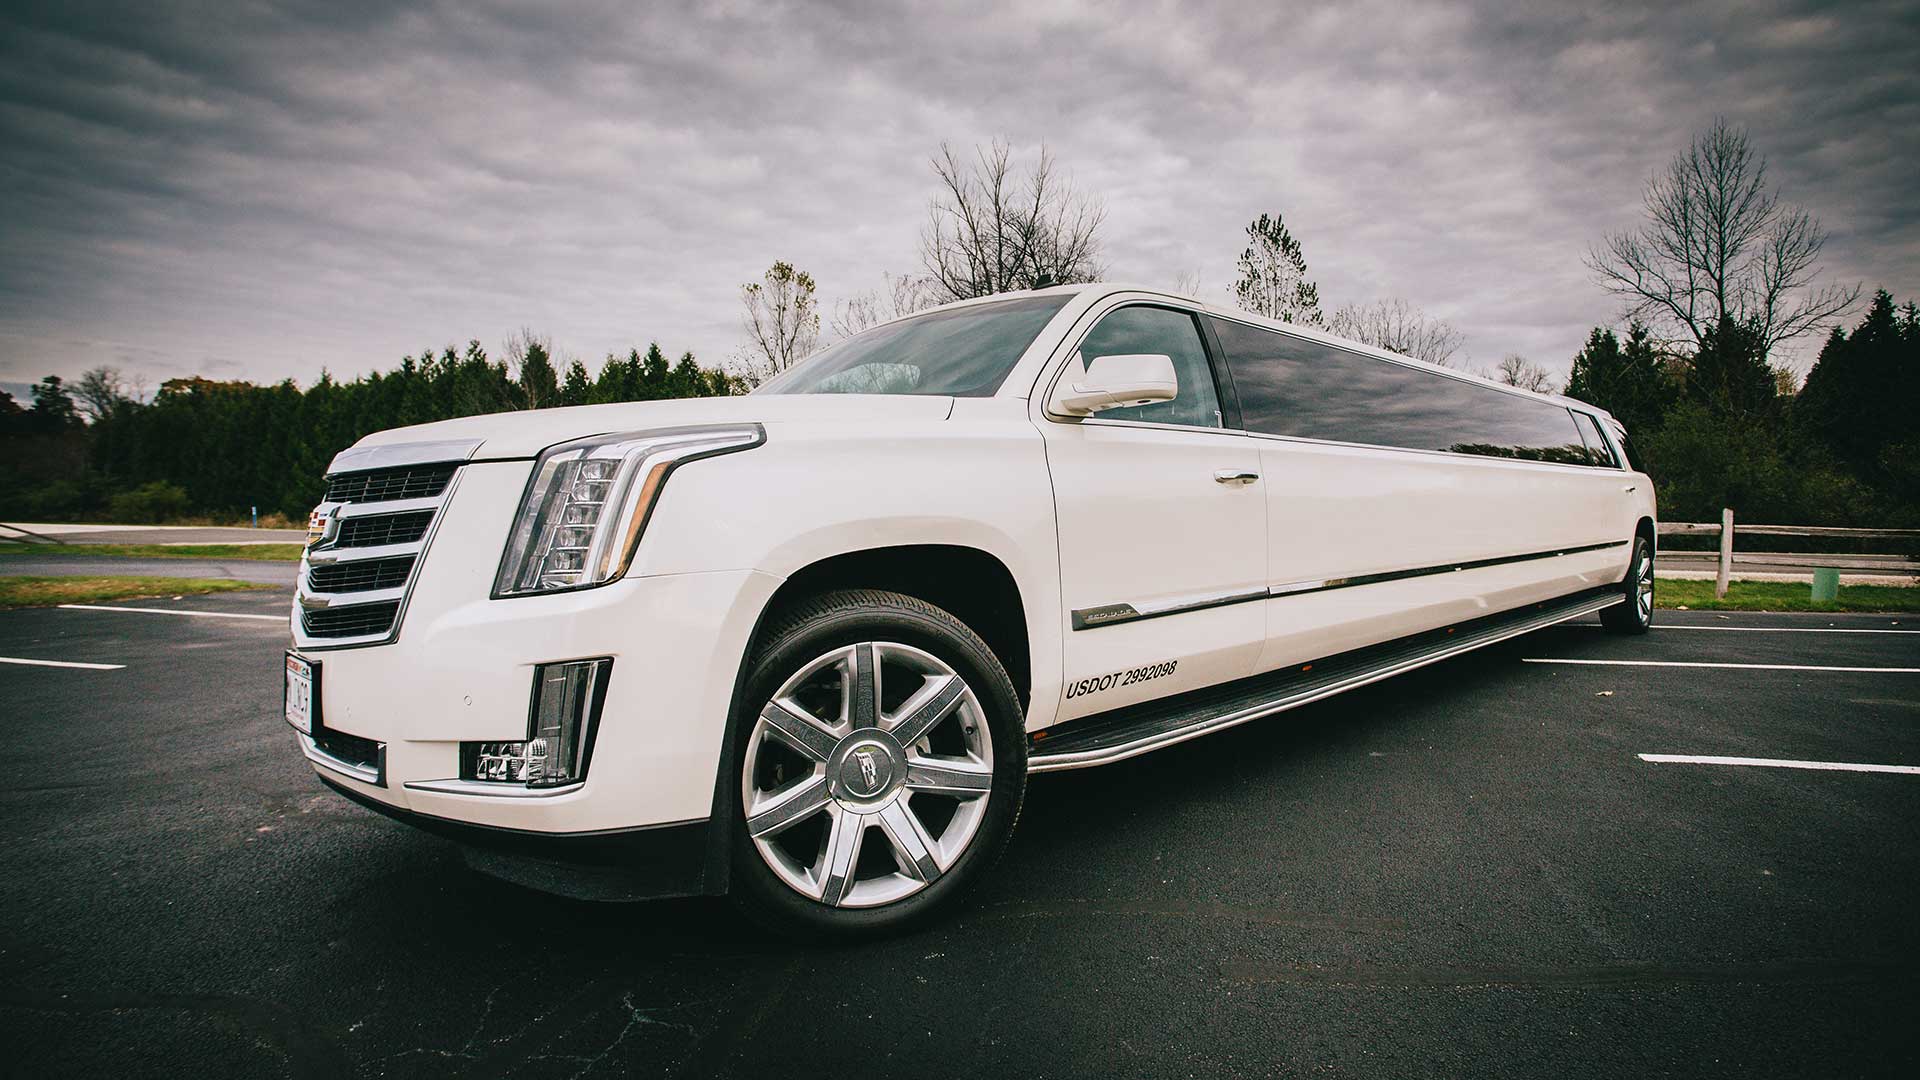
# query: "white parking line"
{"type": "Point", "coordinates": [60, 663]}
{"type": "Point", "coordinates": [1699, 664]}
{"type": "Point", "coordinates": [1788, 629]}
{"type": "Point", "coordinates": [1777, 763]}
{"type": "Point", "coordinates": [176, 611]}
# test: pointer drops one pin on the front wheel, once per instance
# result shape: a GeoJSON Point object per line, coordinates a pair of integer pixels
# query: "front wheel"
{"type": "Point", "coordinates": [1634, 613]}
{"type": "Point", "coordinates": [881, 765]}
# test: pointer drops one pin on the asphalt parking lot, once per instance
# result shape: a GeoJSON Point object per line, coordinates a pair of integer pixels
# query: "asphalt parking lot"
{"type": "Point", "coordinates": [1468, 871]}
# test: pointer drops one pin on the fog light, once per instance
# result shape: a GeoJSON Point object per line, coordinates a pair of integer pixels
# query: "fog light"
{"type": "Point", "coordinates": [566, 705]}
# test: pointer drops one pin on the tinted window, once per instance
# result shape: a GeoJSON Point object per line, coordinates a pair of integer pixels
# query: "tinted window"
{"type": "Point", "coordinates": [1627, 448]}
{"type": "Point", "coordinates": [1597, 449]}
{"type": "Point", "coordinates": [1292, 386]}
{"type": "Point", "coordinates": [1168, 332]}
{"type": "Point", "coordinates": [965, 352]}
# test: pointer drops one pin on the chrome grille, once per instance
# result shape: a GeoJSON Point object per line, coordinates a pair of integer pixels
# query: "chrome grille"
{"type": "Point", "coordinates": [361, 575]}
{"type": "Point", "coordinates": [376, 530]}
{"type": "Point", "coordinates": [379, 485]}
{"type": "Point", "coordinates": [353, 620]}
{"type": "Point", "coordinates": [370, 538]}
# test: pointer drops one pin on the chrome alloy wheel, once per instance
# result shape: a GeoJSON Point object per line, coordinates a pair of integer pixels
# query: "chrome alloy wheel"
{"type": "Point", "coordinates": [876, 737]}
{"type": "Point", "coordinates": [1643, 586]}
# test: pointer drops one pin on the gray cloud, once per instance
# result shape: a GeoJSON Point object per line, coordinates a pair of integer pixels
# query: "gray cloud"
{"type": "Point", "coordinates": [266, 191]}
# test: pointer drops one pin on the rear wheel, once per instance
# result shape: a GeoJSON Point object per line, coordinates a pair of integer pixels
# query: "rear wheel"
{"type": "Point", "coordinates": [881, 766]}
{"type": "Point", "coordinates": [1634, 614]}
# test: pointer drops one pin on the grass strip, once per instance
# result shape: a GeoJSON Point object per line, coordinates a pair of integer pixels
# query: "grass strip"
{"type": "Point", "coordinates": [25, 592]}
{"type": "Point", "coordinates": [1782, 596]}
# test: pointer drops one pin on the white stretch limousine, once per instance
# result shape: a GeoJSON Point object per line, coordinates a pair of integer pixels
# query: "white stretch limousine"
{"type": "Point", "coordinates": [803, 647]}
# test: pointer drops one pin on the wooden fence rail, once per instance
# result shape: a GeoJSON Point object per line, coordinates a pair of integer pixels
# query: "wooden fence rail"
{"type": "Point", "coordinates": [1726, 529]}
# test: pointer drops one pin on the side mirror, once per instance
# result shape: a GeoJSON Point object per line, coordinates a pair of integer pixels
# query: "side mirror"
{"type": "Point", "coordinates": [1115, 381]}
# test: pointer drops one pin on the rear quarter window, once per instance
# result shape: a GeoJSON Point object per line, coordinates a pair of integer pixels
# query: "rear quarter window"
{"type": "Point", "coordinates": [1304, 388]}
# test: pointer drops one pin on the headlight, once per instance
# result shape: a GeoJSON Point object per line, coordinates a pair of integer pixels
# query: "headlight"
{"type": "Point", "coordinates": [588, 502]}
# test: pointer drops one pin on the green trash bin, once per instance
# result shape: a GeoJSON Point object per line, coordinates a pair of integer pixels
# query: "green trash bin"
{"type": "Point", "coordinates": [1826, 585]}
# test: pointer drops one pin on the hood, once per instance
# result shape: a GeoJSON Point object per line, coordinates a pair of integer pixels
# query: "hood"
{"type": "Point", "coordinates": [526, 433]}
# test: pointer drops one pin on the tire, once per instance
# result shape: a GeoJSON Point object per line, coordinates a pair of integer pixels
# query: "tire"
{"type": "Point", "coordinates": [1634, 613]}
{"type": "Point", "coordinates": [869, 813]}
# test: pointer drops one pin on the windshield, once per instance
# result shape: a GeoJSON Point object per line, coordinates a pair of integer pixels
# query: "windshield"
{"type": "Point", "coordinates": [964, 352]}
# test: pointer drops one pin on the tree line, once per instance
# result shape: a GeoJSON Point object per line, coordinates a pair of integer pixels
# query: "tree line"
{"type": "Point", "coordinates": [207, 448]}
{"type": "Point", "coordinates": [1720, 274]}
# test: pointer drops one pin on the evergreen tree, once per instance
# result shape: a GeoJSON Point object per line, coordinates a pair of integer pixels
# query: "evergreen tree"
{"type": "Point", "coordinates": [1626, 379]}
{"type": "Point", "coordinates": [1728, 374]}
{"type": "Point", "coordinates": [619, 379]}
{"type": "Point", "coordinates": [684, 380]}
{"type": "Point", "coordinates": [539, 383]}
{"type": "Point", "coordinates": [11, 414]}
{"type": "Point", "coordinates": [1861, 402]}
{"type": "Point", "coordinates": [653, 374]}
{"type": "Point", "coordinates": [1273, 275]}
{"type": "Point", "coordinates": [578, 387]}
{"type": "Point", "coordinates": [1596, 368]}
{"type": "Point", "coordinates": [53, 407]}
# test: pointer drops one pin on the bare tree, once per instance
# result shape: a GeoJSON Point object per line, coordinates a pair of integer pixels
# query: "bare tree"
{"type": "Point", "coordinates": [1187, 283]}
{"type": "Point", "coordinates": [782, 321]}
{"type": "Point", "coordinates": [989, 231]}
{"type": "Point", "coordinates": [902, 295]}
{"type": "Point", "coordinates": [1719, 242]}
{"type": "Point", "coordinates": [1397, 326]}
{"type": "Point", "coordinates": [1517, 370]}
{"type": "Point", "coordinates": [100, 391]}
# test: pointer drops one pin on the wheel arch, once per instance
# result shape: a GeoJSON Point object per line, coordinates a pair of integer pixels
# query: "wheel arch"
{"type": "Point", "coordinates": [970, 583]}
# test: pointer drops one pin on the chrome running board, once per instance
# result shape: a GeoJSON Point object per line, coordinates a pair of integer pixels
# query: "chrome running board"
{"type": "Point", "coordinates": [1137, 729]}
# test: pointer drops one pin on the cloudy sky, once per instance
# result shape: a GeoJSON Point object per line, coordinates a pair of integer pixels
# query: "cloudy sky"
{"type": "Point", "coordinates": [264, 190]}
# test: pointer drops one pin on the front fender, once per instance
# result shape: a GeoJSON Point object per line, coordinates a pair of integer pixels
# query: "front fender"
{"type": "Point", "coordinates": [811, 494]}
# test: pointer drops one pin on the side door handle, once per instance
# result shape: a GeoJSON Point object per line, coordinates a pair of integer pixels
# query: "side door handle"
{"type": "Point", "coordinates": [1631, 488]}
{"type": "Point", "coordinates": [1234, 476]}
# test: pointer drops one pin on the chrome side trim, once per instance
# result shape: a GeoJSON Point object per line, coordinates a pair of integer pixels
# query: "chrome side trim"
{"type": "Point", "coordinates": [1111, 614]}
{"type": "Point", "coordinates": [491, 789]}
{"type": "Point", "coordinates": [1108, 614]}
{"type": "Point", "coordinates": [1294, 588]}
{"type": "Point", "coordinates": [1041, 762]}
{"type": "Point", "coordinates": [348, 769]}
{"type": "Point", "coordinates": [391, 455]}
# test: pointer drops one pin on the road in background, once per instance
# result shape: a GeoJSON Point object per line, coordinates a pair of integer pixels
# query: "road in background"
{"type": "Point", "coordinates": [151, 534]}
{"type": "Point", "coordinates": [1466, 871]}
{"type": "Point", "coordinates": [37, 565]}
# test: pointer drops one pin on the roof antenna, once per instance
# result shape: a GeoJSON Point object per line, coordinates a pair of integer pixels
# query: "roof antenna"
{"type": "Point", "coordinates": [1044, 281]}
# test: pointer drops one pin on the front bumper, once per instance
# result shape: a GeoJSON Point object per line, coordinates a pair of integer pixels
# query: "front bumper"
{"type": "Point", "coordinates": [464, 672]}
{"type": "Point", "coordinates": [622, 864]}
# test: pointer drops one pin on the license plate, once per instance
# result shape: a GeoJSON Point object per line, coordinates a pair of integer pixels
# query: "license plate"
{"type": "Point", "coordinates": [299, 697]}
